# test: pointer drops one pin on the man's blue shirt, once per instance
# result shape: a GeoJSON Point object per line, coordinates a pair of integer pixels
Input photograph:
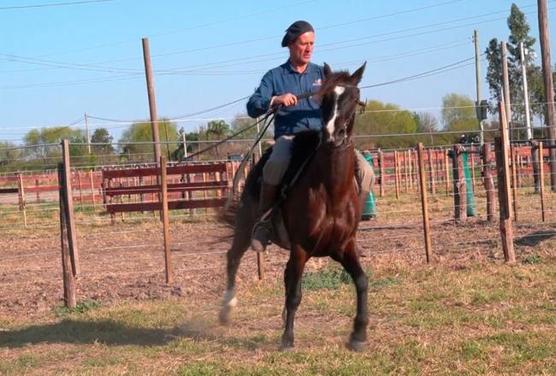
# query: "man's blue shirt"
{"type": "Point", "coordinates": [284, 79]}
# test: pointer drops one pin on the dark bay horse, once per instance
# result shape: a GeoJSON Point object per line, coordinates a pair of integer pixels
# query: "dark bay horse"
{"type": "Point", "coordinates": [321, 211]}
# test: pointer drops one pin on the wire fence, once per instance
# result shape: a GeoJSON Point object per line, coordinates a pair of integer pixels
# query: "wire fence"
{"type": "Point", "coordinates": [122, 253]}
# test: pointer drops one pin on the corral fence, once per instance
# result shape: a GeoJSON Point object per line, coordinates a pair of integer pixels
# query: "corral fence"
{"type": "Point", "coordinates": [442, 178]}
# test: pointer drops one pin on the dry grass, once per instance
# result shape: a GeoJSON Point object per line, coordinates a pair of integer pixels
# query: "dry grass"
{"type": "Point", "coordinates": [467, 313]}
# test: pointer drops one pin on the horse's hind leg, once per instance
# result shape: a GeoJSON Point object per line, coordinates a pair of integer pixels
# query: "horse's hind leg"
{"type": "Point", "coordinates": [241, 242]}
{"type": "Point", "coordinates": [292, 281]}
{"type": "Point", "coordinates": [351, 264]}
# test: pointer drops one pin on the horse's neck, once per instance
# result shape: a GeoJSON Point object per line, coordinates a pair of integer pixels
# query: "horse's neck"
{"type": "Point", "coordinates": [337, 169]}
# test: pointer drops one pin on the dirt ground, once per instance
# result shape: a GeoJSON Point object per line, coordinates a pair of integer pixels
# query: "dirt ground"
{"type": "Point", "coordinates": [125, 260]}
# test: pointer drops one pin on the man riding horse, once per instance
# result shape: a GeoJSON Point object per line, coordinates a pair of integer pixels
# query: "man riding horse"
{"type": "Point", "coordinates": [279, 90]}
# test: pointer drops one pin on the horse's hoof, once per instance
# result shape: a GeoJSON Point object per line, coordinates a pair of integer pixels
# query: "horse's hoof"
{"type": "Point", "coordinates": [287, 344]}
{"type": "Point", "coordinates": [286, 347]}
{"type": "Point", "coordinates": [355, 345]}
{"type": "Point", "coordinates": [224, 316]}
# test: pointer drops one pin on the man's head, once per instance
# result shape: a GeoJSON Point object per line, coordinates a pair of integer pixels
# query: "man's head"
{"type": "Point", "coordinates": [300, 39]}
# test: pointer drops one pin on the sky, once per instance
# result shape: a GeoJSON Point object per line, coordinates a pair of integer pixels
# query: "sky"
{"type": "Point", "coordinates": [60, 59]}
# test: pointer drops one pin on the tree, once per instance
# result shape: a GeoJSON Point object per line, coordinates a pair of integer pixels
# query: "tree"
{"type": "Point", "coordinates": [104, 140]}
{"type": "Point", "coordinates": [383, 119]}
{"type": "Point", "coordinates": [519, 33]}
{"type": "Point", "coordinates": [242, 121]}
{"type": "Point", "coordinates": [217, 130]}
{"type": "Point", "coordinates": [41, 141]}
{"type": "Point", "coordinates": [426, 123]}
{"type": "Point", "coordinates": [190, 137]}
{"type": "Point", "coordinates": [137, 139]}
{"type": "Point", "coordinates": [494, 74]}
{"type": "Point", "coordinates": [458, 113]}
{"type": "Point", "coordinates": [9, 154]}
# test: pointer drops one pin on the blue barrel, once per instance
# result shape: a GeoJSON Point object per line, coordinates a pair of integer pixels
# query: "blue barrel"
{"type": "Point", "coordinates": [369, 210]}
{"type": "Point", "coordinates": [471, 212]}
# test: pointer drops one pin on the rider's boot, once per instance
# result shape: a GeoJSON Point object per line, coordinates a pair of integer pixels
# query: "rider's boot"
{"type": "Point", "coordinates": [262, 230]}
{"type": "Point", "coordinates": [363, 195]}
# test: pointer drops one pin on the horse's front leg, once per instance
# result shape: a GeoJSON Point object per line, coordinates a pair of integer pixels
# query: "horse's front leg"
{"type": "Point", "coordinates": [292, 280]}
{"type": "Point", "coordinates": [240, 244]}
{"type": "Point", "coordinates": [351, 264]}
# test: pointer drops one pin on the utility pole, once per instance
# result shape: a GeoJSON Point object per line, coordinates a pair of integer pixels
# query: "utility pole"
{"type": "Point", "coordinates": [506, 87]}
{"type": "Point", "coordinates": [534, 156]}
{"type": "Point", "coordinates": [478, 83]}
{"type": "Point", "coordinates": [184, 139]}
{"type": "Point", "coordinates": [87, 133]}
{"type": "Point", "coordinates": [152, 99]}
{"type": "Point", "coordinates": [544, 35]}
{"type": "Point", "coordinates": [525, 91]}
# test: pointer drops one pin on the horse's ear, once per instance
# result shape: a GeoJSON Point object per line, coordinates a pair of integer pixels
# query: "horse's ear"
{"type": "Point", "coordinates": [358, 74]}
{"type": "Point", "coordinates": [327, 70]}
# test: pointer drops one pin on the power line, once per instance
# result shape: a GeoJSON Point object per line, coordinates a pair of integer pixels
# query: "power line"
{"type": "Point", "coordinates": [102, 68]}
{"type": "Point", "coordinates": [48, 5]}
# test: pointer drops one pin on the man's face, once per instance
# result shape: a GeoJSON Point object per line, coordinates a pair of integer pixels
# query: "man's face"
{"type": "Point", "coordinates": [302, 49]}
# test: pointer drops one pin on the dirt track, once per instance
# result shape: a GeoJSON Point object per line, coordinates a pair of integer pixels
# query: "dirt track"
{"type": "Point", "coordinates": [125, 260]}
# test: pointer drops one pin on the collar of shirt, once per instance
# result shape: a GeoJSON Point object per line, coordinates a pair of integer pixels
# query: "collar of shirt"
{"type": "Point", "coordinates": [288, 66]}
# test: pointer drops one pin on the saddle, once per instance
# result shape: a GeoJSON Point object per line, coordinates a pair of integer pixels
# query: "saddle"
{"type": "Point", "coordinates": [304, 146]}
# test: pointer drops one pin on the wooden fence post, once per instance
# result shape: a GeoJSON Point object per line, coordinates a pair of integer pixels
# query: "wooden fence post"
{"type": "Point", "coordinates": [460, 192]}
{"type": "Point", "coordinates": [260, 265]}
{"type": "Point", "coordinates": [488, 182]}
{"type": "Point", "coordinates": [432, 185]}
{"type": "Point", "coordinates": [37, 194]}
{"type": "Point", "coordinates": [519, 166]}
{"type": "Point", "coordinates": [381, 168]}
{"type": "Point", "coordinates": [72, 234]}
{"type": "Point", "coordinates": [80, 188]}
{"type": "Point", "coordinates": [165, 221]}
{"type": "Point", "coordinates": [540, 159]}
{"type": "Point", "coordinates": [472, 166]}
{"type": "Point", "coordinates": [513, 160]}
{"type": "Point", "coordinates": [68, 277]}
{"type": "Point", "coordinates": [535, 165]}
{"type": "Point", "coordinates": [424, 203]}
{"type": "Point", "coordinates": [406, 170]}
{"type": "Point", "coordinates": [21, 198]}
{"type": "Point", "coordinates": [92, 188]}
{"type": "Point", "coordinates": [410, 166]}
{"type": "Point", "coordinates": [503, 169]}
{"type": "Point", "coordinates": [396, 174]}
{"type": "Point", "coordinates": [447, 170]}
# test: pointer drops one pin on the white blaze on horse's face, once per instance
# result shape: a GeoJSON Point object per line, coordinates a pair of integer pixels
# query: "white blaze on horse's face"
{"type": "Point", "coordinates": [331, 125]}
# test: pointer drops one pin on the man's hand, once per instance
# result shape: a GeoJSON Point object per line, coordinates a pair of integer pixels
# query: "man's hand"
{"type": "Point", "coordinates": [286, 100]}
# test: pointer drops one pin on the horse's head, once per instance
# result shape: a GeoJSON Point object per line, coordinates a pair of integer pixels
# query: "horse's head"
{"type": "Point", "coordinates": [340, 97]}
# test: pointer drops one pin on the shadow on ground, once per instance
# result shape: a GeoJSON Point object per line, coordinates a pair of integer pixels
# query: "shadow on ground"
{"type": "Point", "coordinates": [113, 333]}
{"type": "Point", "coordinates": [106, 332]}
{"type": "Point", "coordinates": [535, 238]}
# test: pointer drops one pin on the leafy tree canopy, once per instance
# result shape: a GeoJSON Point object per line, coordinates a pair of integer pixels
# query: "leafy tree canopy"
{"type": "Point", "coordinates": [458, 112]}
{"type": "Point", "coordinates": [137, 139]}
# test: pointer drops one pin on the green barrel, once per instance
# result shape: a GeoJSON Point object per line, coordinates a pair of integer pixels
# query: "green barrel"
{"type": "Point", "coordinates": [468, 186]}
{"type": "Point", "coordinates": [369, 210]}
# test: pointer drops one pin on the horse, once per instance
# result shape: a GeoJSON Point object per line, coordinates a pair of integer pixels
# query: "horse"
{"type": "Point", "coordinates": [321, 211]}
